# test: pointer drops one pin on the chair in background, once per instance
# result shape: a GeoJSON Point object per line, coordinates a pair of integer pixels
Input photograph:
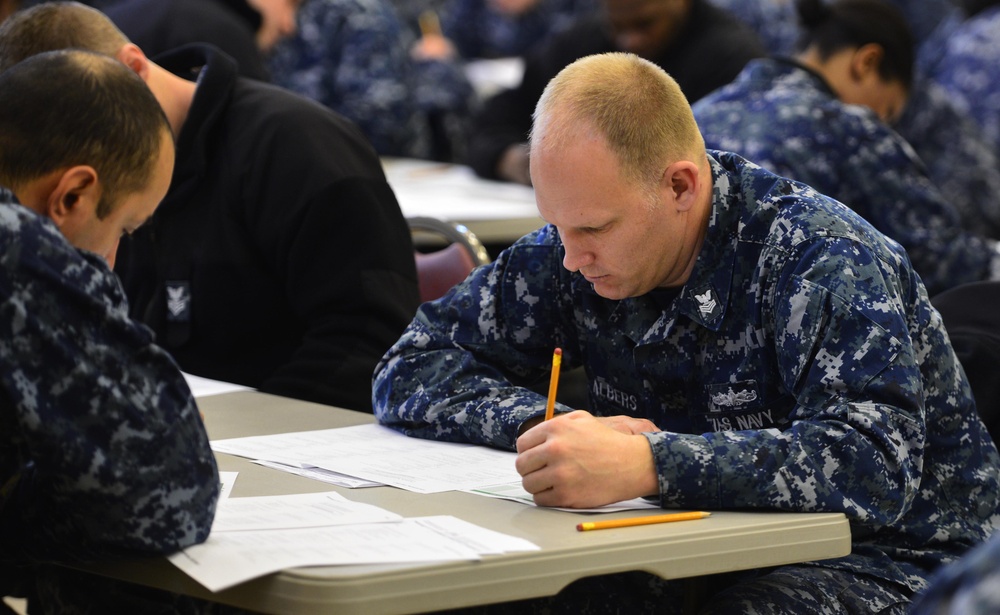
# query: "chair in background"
{"type": "Point", "coordinates": [438, 270]}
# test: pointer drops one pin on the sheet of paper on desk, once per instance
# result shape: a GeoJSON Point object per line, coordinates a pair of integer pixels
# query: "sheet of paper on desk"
{"type": "Point", "coordinates": [515, 492]}
{"type": "Point", "coordinates": [379, 454]}
{"type": "Point", "coordinates": [203, 387]}
{"type": "Point", "coordinates": [445, 191]}
{"type": "Point", "coordinates": [269, 512]}
{"type": "Point", "coordinates": [229, 558]}
{"type": "Point", "coordinates": [227, 480]}
{"type": "Point", "coordinates": [323, 476]}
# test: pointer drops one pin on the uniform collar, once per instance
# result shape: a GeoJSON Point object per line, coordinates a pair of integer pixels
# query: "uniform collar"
{"type": "Point", "coordinates": [786, 69]}
{"type": "Point", "coordinates": [705, 296]}
{"type": "Point", "coordinates": [216, 74]}
{"type": "Point", "coordinates": [712, 277]}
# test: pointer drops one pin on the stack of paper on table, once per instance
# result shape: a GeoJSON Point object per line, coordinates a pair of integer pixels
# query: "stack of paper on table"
{"type": "Point", "coordinates": [382, 456]}
{"type": "Point", "coordinates": [253, 536]}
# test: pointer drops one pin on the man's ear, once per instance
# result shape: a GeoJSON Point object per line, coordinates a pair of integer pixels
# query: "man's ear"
{"type": "Point", "coordinates": [76, 194]}
{"type": "Point", "coordinates": [865, 61]}
{"type": "Point", "coordinates": [131, 56]}
{"type": "Point", "coordinates": [680, 180]}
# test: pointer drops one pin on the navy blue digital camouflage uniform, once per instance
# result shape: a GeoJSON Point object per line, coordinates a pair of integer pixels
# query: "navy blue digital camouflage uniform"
{"type": "Point", "coordinates": [103, 451]}
{"type": "Point", "coordinates": [353, 56]}
{"type": "Point", "coordinates": [800, 368]}
{"type": "Point", "coordinates": [786, 118]}
{"type": "Point", "coordinates": [959, 160]}
{"type": "Point", "coordinates": [969, 68]}
{"type": "Point", "coordinates": [776, 22]}
{"type": "Point", "coordinates": [970, 586]}
{"type": "Point", "coordinates": [479, 30]}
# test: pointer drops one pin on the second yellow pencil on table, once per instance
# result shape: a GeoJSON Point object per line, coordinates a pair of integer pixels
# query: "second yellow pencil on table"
{"type": "Point", "coordinates": [648, 520]}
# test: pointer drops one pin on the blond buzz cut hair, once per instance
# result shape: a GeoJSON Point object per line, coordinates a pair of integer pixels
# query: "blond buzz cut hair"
{"type": "Point", "coordinates": [632, 103]}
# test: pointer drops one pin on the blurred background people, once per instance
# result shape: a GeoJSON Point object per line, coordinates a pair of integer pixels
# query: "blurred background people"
{"type": "Point", "coordinates": [699, 45]}
{"type": "Point", "coordinates": [501, 28]}
{"type": "Point", "coordinates": [821, 118]}
{"type": "Point", "coordinates": [354, 57]}
{"type": "Point", "coordinates": [968, 67]}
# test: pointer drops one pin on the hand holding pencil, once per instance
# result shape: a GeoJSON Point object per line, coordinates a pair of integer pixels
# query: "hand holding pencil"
{"type": "Point", "coordinates": [579, 460]}
{"type": "Point", "coordinates": [432, 44]}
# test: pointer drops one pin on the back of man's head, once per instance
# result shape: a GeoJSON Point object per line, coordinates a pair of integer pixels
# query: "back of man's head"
{"type": "Point", "coordinates": [630, 102]}
{"type": "Point", "coordinates": [57, 25]}
{"type": "Point", "coordinates": [66, 108]}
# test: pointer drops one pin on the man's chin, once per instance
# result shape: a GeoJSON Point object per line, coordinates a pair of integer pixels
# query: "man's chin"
{"type": "Point", "coordinates": [609, 290]}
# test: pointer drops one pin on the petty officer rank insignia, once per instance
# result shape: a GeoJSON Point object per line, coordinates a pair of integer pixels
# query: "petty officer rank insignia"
{"type": "Point", "coordinates": [707, 301]}
{"type": "Point", "coordinates": [178, 301]}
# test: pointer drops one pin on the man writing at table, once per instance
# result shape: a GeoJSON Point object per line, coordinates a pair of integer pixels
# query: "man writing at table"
{"type": "Point", "coordinates": [749, 344]}
{"type": "Point", "coordinates": [102, 452]}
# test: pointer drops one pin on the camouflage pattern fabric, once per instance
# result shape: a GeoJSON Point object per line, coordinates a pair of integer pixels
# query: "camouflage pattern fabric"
{"type": "Point", "coordinates": [969, 69]}
{"type": "Point", "coordinates": [785, 117]}
{"type": "Point", "coordinates": [479, 30]}
{"type": "Point", "coordinates": [104, 453]}
{"type": "Point", "coordinates": [800, 368]}
{"type": "Point", "coordinates": [959, 160]}
{"type": "Point", "coordinates": [353, 57]}
{"type": "Point", "coordinates": [970, 585]}
{"type": "Point", "coordinates": [776, 22]}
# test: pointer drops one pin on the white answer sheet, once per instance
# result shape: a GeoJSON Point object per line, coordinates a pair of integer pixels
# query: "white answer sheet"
{"type": "Point", "coordinates": [230, 558]}
{"type": "Point", "coordinates": [227, 480]}
{"type": "Point", "coordinates": [203, 387]}
{"type": "Point", "coordinates": [323, 476]}
{"type": "Point", "coordinates": [294, 511]}
{"type": "Point", "coordinates": [379, 454]}
{"type": "Point", "coordinates": [516, 493]}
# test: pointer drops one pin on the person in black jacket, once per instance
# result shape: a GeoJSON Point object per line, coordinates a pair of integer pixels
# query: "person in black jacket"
{"type": "Point", "coordinates": [158, 26]}
{"type": "Point", "coordinates": [700, 46]}
{"type": "Point", "coordinates": [279, 258]}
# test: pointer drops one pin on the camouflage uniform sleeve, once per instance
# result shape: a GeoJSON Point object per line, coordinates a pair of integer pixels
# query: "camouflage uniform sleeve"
{"type": "Point", "coordinates": [852, 360]}
{"type": "Point", "coordinates": [459, 371]}
{"type": "Point", "coordinates": [111, 454]}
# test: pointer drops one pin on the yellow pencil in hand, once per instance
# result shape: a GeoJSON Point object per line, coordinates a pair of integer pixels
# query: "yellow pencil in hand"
{"type": "Point", "coordinates": [429, 23]}
{"type": "Point", "coordinates": [550, 405]}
